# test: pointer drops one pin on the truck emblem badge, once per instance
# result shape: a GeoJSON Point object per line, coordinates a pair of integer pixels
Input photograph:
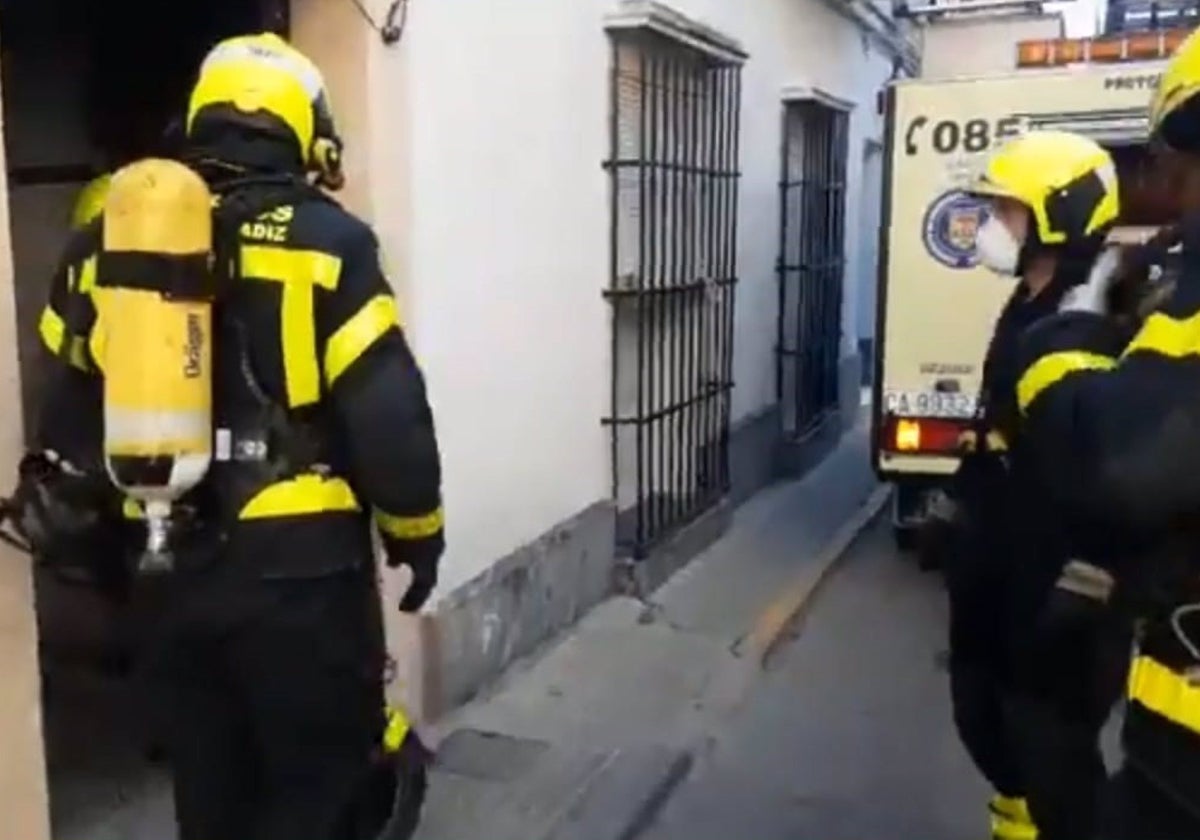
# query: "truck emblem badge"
{"type": "Point", "coordinates": [948, 229]}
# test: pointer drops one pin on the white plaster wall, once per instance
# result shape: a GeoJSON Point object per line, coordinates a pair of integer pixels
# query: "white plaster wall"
{"type": "Point", "coordinates": [507, 259]}
{"type": "Point", "coordinates": [792, 44]}
{"type": "Point", "coordinates": [507, 126]}
{"type": "Point", "coordinates": [981, 46]}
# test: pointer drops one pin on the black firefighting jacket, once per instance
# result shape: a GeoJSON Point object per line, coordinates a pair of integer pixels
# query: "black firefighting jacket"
{"type": "Point", "coordinates": [1014, 546]}
{"type": "Point", "coordinates": [311, 356]}
{"type": "Point", "coordinates": [1115, 428]}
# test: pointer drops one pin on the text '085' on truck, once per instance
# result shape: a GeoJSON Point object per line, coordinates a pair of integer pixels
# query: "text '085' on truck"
{"type": "Point", "coordinates": [936, 305]}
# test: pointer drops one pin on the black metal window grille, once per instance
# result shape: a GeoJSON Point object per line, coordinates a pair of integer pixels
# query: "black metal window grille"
{"type": "Point", "coordinates": [811, 264]}
{"type": "Point", "coordinates": [673, 166]}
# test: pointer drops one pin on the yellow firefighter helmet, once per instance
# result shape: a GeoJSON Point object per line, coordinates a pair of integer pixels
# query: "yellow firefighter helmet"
{"type": "Point", "coordinates": [1170, 121]}
{"type": "Point", "coordinates": [90, 202]}
{"type": "Point", "coordinates": [1068, 182]}
{"type": "Point", "coordinates": [266, 82]}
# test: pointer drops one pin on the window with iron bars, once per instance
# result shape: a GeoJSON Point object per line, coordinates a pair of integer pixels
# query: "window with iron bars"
{"type": "Point", "coordinates": [811, 266]}
{"type": "Point", "coordinates": [674, 192]}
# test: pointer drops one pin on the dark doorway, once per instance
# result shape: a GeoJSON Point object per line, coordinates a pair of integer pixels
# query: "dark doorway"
{"type": "Point", "coordinates": [89, 86]}
{"type": "Point", "coordinates": [812, 262]}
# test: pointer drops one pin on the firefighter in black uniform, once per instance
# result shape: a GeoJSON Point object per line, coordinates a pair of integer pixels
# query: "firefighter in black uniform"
{"type": "Point", "coordinates": [1116, 427]}
{"type": "Point", "coordinates": [1041, 763]}
{"type": "Point", "coordinates": [270, 649]}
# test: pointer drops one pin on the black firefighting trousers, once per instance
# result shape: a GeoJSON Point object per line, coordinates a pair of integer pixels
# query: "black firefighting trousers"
{"type": "Point", "coordinates": [1028, 712]}
{"type": "Point", "coordinates": [980, 675]}
{"type": "Point", "coordinates": [1030, 717]}
{"type": "Point", "coordinates": [1065, 687]}
{"type": "Point", "coordinates": [977, 585]}
{"type": "Point", "coordinates": [1135, 809]}
{"type": "Point", "coordinates": [273, 696]}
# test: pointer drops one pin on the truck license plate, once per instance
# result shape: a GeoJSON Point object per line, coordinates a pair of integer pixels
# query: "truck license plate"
{"type": "Point", "coordinates": [929, 404]}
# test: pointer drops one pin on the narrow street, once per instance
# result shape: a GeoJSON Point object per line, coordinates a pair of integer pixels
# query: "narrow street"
{"type": "Point", "coordinates": [849, 735]}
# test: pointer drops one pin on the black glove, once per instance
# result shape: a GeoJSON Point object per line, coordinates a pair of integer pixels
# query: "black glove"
{"type": "Point", "coordinates": [59, 512]}
{"type": "Point", "coordinates": [421, 556]}
{"type": "Point", "coordinates": [1074, 607]}
{"type": "Point", "coordinates": [1068, 614]}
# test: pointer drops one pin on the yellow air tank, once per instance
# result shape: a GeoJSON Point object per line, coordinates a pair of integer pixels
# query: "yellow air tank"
{"type": "Point", "coordinates": [155, 292]}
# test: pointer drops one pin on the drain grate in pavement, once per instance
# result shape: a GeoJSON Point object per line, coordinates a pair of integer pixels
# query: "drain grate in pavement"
{"type": "Point", "coordinates": [488, 756]}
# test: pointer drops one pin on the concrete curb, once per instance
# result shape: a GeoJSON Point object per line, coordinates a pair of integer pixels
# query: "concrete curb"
{"type": "Point", "coordinates": [782, 612]}
{"type": "Point", "coordinates": [658, 797]}
{"type": "Point", "coordinates": [503, 787]}
{"type": "Point", "coordinates": [637, 794]}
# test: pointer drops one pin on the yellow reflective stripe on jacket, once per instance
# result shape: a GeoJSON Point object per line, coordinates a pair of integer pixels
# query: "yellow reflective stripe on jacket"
{"type": "Point", "coordinates": [1164, 692]}
{"type": "Point", "coordinates": [1167, 336]}
{"type": "Point", "coordinates": [96, 341]}
{"type": "Point", "coordinates": [410, 527]}
{"type": "Point", "coordinates": [77, 352]}
{"type": "Point", "coordinates": [1011, 819]}
{"type": "Point", "coordinates": [53, 329]}
{"type": "Point", "coordinates": [298, 272]}
{"type": "Point", "coordinates": [300, 496]}
{"type": "Point", "coordinates": [397, 727]}
{"type": "Point", "coordinates": [305, 494]}
{"type": "Point", "coordinates": [87, 277]}
{"type": "Point", "coordinates": [85, 283]}
{"type": "Point", "coordinates": [1052, 367]}
{"type": "Point", "coordinates": [361, 330]}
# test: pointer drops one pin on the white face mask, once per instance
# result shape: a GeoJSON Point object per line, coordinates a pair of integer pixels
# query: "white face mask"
{"type": "Point", "coordinates": [997, 248]}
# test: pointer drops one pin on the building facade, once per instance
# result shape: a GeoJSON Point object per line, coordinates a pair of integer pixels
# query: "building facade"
{"type": "Point", "coordinates": [1143, 15]}
{"type": "Point", "coordinates": [635, 246]}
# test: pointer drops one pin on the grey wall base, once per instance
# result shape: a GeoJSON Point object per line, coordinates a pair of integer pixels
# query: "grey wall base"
{"type": "Point", "coordinates": [795, 457]}
{"type": "Point", "coordinates": [639, 578]}
{"type": "Point", "coordinates": [753, 442]}
{"type": "Point", "coordinates": [542, 589]}
{"type": "Point", "coordinates": [545, 587]}
{"type": "Point", "coordinates": [520, 602]}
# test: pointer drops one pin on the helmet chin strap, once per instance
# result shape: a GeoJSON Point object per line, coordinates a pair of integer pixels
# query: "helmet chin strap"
{"type": "Point", "coordinates": [1030, 246]}
{"type": "Point", "coordinates": [1025, 254]}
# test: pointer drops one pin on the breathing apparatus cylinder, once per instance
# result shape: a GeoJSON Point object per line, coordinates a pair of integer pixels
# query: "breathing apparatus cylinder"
{"type": "Point", "coordinates": [155, 290]}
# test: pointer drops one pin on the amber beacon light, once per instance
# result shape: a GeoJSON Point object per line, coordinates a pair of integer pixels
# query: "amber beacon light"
{"type": "Point", "coordinates": [1136, 46]}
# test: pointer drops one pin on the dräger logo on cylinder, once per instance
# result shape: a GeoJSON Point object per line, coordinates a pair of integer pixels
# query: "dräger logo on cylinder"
{"type": "Point", "coordinates": [195, 343]}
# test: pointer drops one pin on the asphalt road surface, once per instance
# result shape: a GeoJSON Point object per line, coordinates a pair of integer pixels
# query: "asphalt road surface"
{"type": "Point", "coordinates": [849, 736]}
